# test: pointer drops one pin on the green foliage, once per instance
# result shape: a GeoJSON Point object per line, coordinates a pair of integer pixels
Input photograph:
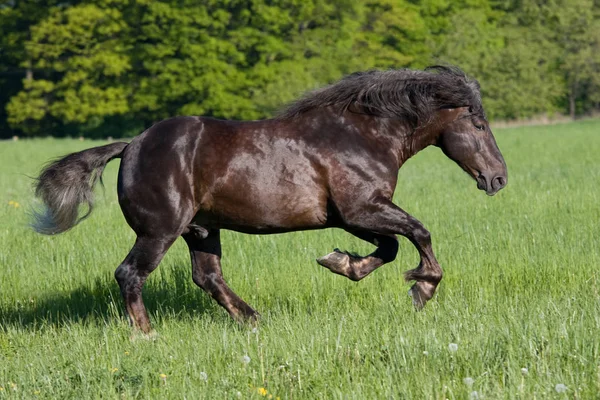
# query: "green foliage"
{"type": "Point", "coordinates": [110, 67]}
{"type": "Point", "coordinates": [576, 29]}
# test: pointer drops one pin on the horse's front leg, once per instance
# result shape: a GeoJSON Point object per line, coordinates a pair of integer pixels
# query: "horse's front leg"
{"type": "Point", "coordinates": [384, 218]}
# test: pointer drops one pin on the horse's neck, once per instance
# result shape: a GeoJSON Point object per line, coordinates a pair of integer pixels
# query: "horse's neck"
{"type": "Point", "coordinates": [402, 139]}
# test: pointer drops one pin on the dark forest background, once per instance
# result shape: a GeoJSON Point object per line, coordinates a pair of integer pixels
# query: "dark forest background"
{"type": "Point", "coordinates": [112, 67]}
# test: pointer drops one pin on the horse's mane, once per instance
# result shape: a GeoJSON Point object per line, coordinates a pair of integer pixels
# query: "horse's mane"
{"type": "Point", "coordinates": [403, 93]}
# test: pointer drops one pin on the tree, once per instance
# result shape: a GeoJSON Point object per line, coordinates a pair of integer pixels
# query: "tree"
{"type": "Point", "coordinates": [16, 18]}
{"type": "Point", "coordinates": [576, 29]}
{"type": "Point", "coordinates": [78, 46]}
{"type": "Point", "coordinates": [146, 60]}
{"type": "Point", "coordinates": [101, 67]}
{"type": "Point", "coordinates": [504, 46]}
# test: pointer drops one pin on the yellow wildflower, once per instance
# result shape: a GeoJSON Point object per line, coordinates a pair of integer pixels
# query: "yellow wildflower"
{"type": "Point", "coordinates": [126, 353]}
{"type": "Point", "coordinates": [14, 204]}
{"type": "Point", "coordinates": [37, 392]}
{"type": "Point", "coordinates": [13, 386]}
{"type": "Point", "coordinates": [1, 388]}
{"type": "Point", "coordinates": [163, 378]}
{"type": "Point", "coordinates": [262, 391]}
{"type": "Point", "coordinates": [113, 370]}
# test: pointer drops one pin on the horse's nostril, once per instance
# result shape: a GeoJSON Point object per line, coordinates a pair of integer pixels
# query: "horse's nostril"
{"type": "Point", "coordinates": [499, 182]}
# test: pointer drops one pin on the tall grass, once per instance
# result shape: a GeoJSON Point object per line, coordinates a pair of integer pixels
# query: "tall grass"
{"type": "Point", "coordinates": [519, 302]}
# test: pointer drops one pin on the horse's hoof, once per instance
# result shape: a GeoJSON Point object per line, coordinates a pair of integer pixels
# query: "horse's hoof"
{"type": "Point", "coordinates": [247, 317]}
{"type": "Point", "coordinates": [416, 298]}
{"type": "Point", "coordinates": [336, 262]}
{"type": "Point", "coordinates": [421, 292]}
{"type": "Point", "coordinates": [253, 319]}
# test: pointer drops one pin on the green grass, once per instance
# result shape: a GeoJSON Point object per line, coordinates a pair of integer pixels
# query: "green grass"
{"type": "Point", "coordinates": [520, 291]}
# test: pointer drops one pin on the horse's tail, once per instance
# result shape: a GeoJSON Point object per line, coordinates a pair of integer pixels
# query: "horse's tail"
{"type": "Point", "coordinates": [65, 184]}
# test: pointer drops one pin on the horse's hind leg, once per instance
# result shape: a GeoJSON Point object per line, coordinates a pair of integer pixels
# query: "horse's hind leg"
{"type": "Point", "coordinates": [205, 251]}
{"type": "Point", "coordinates": [143, 258]}
{"type": "Point", "coordinates": [355, 267]}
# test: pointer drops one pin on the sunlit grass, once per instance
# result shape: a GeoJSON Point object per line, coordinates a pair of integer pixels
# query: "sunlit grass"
{"type": "Point", "coordinates": [520, 292]}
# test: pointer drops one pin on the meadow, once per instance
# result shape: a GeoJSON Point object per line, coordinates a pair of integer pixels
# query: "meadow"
{"type": "Point", "coordinates": [517, 315]}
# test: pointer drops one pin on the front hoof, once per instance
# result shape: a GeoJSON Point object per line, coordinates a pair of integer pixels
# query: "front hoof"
{"type": "Point", "coordinates": [336, 262]}
{"type": "Point", "coordinates": [416, 298]}
{"type": "Point", "coordinates": [253, 319]}
{"type": "Point", "coordinates": [421, 292]}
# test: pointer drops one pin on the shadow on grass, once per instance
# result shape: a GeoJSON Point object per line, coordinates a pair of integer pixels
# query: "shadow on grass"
{"type": "Point", "coordinates": [100, 301]}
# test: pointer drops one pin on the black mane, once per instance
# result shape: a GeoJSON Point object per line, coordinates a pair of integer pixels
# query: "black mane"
{"type": "Point", "coordinates": [403, 93]}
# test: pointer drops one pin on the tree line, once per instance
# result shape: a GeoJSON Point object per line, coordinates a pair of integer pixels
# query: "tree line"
{"type": "Point", "coordinates": [112, 67]}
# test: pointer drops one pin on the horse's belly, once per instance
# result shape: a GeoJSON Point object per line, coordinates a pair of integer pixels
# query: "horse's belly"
{"type": "Point", "coordinates": [267, 184]}
{"type": "Point", "coordinates": [270, 209]}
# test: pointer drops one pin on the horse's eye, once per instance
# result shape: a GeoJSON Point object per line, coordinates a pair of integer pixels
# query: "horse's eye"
{"type": "Point", "coordinates": [480, 127]}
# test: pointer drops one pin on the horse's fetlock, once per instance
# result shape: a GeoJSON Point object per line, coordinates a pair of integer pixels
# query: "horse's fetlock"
{"type": "Point", "coordinates": [436, 275]}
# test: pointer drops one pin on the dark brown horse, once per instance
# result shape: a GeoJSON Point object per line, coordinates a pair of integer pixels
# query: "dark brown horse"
{"type": "Point", "coordinates": [330, 160]}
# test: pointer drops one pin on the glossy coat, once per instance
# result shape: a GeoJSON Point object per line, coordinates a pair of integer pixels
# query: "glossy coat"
{"type": "Point", "coordinates": [330, 160]}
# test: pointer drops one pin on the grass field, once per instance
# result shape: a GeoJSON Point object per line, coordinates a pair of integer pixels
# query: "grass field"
{"type": "Point", "coordinates": [520, 292]}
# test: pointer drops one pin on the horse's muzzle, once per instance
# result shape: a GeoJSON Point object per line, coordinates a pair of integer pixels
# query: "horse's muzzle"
{"type": "Point", "coordinates": [491, 186]}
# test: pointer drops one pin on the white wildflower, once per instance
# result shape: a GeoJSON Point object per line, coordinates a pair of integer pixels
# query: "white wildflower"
{"type": "Point", "coordinates": [245, 359]}
{"type": "Point", "coordinates": [453, 347]}
{"type": "Point", "coordinates": [203, 376]}
{"type": "Point", "coordinates": [468, 381]}
{"type": "Point", "coordinates": [524, 371]}
{"type": "Point", "coordinates": [560, 388]}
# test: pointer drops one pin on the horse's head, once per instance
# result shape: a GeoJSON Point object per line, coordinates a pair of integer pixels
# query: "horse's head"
{"type": "Point", "coordinates": [466, 138]}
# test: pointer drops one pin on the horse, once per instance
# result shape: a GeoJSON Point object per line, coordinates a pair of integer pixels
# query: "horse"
{"type": "Point", "coordinates": [329, 159]}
